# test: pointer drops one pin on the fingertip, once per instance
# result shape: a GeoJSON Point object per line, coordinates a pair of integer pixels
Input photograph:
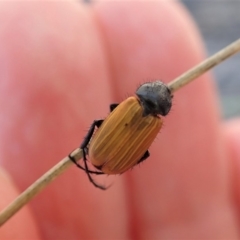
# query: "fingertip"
{"type": "Point", "coordinates": [154, 40]}
{"type": "Point", "coordinates": [231, 130]}
{"type": "Point", "coordinates": [52, 97]}
{"type": "Point", "coordinates": [159, 40]}
{"type": "Point", "coordinates": [232, 127]}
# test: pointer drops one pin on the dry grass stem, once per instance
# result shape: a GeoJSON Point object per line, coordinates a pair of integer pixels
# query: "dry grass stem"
{"type": "Point", "coordinates": [49, 176]}
{"type": "Point", "coordinates": [204, 66]}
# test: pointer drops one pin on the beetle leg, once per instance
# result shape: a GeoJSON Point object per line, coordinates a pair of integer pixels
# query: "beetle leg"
{"type": "Point", "coordinates": [90, 177]}
{"type": "Point", "coordinates": [79, 166]}
{"type": "Point", "coordinates": [83, 146]}
{"type": "Point", "coordinates": [144, 157]}
{"type": "Point", "coordinates": [113, 106]}
{"type": "Point", "coordinates": [96, 123]}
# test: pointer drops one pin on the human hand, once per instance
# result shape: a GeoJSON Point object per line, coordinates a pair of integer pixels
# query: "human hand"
{"type": "Point", "coordinates": [62, 64]}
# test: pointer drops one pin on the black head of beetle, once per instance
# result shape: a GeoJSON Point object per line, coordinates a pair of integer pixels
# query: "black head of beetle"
{"type": "Point", "coordinates": [155, 98]}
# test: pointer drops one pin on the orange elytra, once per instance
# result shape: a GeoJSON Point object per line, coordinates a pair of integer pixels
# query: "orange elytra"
{"type": "Point", "coordinates": [123, 138]}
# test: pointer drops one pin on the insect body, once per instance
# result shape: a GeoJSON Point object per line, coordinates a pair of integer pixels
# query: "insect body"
{"type": "Point", "coordinates": [123, 138]}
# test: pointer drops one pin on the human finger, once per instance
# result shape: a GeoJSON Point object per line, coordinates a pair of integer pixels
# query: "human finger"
{"type": "Point", "coordinates": [187, 172]}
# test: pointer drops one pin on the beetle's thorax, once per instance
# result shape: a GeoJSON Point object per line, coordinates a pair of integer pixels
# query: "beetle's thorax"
{"type": "Point", "coordinates": [155, 98]}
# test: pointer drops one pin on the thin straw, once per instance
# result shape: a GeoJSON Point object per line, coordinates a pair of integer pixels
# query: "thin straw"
{"type": "Point", "coordinates": [37, 186]}
{"type": "Point", "coordinates": [59, 168]}
{"type": "Point", "coordinates": [204, 66]}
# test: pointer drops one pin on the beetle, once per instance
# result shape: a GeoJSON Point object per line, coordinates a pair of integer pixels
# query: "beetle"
{"type": "Point", "coordinates": [123, 138]}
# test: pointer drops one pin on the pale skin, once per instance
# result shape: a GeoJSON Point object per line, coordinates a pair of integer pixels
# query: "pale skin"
{"type": "Point", "coordinates": [61, 65]}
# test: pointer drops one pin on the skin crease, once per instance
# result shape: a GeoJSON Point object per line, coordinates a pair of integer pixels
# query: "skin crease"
{"type": "Point", "coordinates": [61, 64]}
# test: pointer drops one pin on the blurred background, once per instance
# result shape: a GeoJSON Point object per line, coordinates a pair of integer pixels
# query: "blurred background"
{"type": "Point", "coordinates": [219, 23]}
